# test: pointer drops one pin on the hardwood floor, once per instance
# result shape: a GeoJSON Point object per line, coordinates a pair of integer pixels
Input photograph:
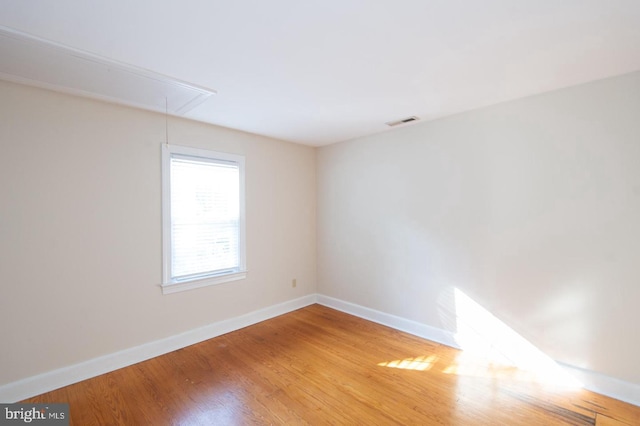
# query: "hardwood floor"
{"type": "Point", "coordinates": [320, 366]}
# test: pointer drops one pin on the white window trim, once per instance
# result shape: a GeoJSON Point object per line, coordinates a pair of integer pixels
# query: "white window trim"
{"type": "Point", "coordinates": [173, 286]}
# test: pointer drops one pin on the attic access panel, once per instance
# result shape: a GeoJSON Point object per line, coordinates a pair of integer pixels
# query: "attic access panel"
{"type": "Point", "coordinates": [36, 62]}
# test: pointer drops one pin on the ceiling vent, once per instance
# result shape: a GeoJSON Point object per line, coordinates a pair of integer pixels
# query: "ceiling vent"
{"type": "Point", "coordinates": [33, 61]}
{"type": "Point", "coordinates": [403, 121]}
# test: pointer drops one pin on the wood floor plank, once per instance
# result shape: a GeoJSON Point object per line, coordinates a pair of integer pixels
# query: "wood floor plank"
{"type": "Point", "coordinates": [320, 366]}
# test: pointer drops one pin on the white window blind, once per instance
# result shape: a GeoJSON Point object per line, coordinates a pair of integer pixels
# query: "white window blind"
{"type": "Point", "coordinates": [205, 215]}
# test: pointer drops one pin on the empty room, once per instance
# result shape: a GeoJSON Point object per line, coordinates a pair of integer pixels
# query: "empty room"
{"type": "Point", "coordinates": [337, 212]}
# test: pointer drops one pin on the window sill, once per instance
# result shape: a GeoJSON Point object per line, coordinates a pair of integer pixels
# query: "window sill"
{"type": "Point", "coordinates": [169, 288]}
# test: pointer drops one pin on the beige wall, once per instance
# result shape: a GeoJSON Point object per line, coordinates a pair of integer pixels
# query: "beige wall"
{"type": "Point", "coordinates": [80, 229]}
{"type": "Point", "coordinates": [531, 208]}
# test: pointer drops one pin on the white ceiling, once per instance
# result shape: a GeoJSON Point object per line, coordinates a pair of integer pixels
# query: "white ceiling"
{"type": "Point", "coordinates": [319, 72]}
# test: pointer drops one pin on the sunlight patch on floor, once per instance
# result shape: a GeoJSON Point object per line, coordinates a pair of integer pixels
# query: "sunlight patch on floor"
{"type": "Point", "coordinates": [490, 349]}
{"type": "Point", "coordinates": [419, 363]}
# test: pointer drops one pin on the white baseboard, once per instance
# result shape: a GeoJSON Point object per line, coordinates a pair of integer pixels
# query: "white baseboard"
{"type": "Point", "coordinates": [36, 385]}
{"type": "Point", "coordinates": [591, 380]}
{"type": "Point", "coordinates": [409, 326]}
{"type": "Point", "coordinates": [605, 385]}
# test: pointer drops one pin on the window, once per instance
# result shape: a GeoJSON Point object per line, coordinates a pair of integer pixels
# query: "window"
{"type": "Point", "coordinates": [203, 218]}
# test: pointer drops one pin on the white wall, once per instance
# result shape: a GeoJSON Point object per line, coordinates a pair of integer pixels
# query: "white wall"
{"type": "Point", "coordinates": [531, 208]}
{"type": "Point", "coordinates": [80, 229]}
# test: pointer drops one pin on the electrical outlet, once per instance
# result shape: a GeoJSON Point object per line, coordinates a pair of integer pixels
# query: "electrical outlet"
{"type": "Point", "coordinates": [294, 283]}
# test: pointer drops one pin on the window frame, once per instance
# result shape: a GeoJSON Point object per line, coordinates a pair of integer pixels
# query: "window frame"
{"type": "Point", "coordinates": [170, 285]}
